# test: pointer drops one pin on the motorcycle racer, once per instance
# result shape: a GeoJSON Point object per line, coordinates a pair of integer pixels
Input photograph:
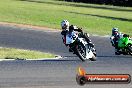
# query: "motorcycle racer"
{"type": "Point", "coordinates": [67, 29]}
{"type": "Point", "coordinates": [116, 35]}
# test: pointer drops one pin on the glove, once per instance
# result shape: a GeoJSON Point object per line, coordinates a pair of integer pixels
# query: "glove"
{"type": "Point", "coordinates": [80, 29]}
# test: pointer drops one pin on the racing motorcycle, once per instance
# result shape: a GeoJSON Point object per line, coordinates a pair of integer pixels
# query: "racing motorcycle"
{"type": "Point", "coordinates": [83, 49]}
{"type": "Point", "coordinates": [125, 45]}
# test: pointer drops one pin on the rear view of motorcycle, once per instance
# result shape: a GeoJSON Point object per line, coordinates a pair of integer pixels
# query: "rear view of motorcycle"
{"type": "Point", "coordinates": [83, 49]}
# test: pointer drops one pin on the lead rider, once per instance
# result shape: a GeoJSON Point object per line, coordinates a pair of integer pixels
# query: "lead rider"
{"type": "Point", "coordinates": [67, 29]}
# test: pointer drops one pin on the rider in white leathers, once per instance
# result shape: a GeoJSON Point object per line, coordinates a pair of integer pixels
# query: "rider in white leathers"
{"type": "Point", "coordinates": [67, 29]}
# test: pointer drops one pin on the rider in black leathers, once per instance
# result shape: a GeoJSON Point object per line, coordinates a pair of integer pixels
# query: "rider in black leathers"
{"type": "Point", "coordinates": [116, 35]}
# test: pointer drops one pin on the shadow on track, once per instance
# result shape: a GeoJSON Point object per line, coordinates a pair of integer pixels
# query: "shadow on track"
{"type": "Point", "coordinates": [64, 58]}
{"type": "Point", "coordinates": [61, 60]}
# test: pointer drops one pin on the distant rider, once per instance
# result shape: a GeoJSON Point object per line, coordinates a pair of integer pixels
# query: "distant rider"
{"type": "Point", "coordinates": [68, 29]}
{"type": "Point", "coordinates": [116, 35]}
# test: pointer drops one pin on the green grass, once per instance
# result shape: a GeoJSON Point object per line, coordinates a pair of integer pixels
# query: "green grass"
{"type": "Point", "coordinates": [95, 19]}
{"type": "Point", "coordinates": [9, 53]}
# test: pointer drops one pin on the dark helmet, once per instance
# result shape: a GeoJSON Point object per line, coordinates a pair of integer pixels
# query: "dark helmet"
{"type": "Point", "coordinates": [115, 31]}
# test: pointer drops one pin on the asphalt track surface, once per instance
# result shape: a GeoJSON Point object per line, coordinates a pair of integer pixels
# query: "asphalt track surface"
{"type": "Point", "coordinates": [56, 73]}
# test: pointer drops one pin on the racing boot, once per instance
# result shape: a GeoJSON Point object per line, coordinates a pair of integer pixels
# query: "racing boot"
{"type": "Point", "coordinates": [70, 50]}
{"type": "Point", "coordinates": [117, 52]}
{"type": "Point", "coordinates": [70, 47]}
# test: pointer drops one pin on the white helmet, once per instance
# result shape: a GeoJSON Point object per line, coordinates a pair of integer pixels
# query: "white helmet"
{"type": "Point", "coordinates": [64, 24]}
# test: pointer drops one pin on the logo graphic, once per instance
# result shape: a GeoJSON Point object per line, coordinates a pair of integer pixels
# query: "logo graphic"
{"type": "Point", "coordinates": [83, 78]}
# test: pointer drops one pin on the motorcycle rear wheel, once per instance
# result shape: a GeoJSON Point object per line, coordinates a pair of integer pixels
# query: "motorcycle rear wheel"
{"type": "Point", "coordinates": [130, 49]}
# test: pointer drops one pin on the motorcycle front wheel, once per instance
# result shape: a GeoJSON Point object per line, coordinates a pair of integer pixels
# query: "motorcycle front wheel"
{"type": "Point", "coordinates": [81, 51]}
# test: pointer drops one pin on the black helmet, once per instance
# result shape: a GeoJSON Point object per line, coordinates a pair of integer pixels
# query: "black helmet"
{"type": "Point", "coordinates": [115, 31]}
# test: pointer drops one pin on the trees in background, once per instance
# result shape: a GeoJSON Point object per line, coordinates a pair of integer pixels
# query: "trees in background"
{"type": "Point", "coordinates": [110, 2]}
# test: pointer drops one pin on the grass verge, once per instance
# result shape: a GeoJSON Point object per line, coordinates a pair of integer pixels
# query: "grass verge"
{"type": "Point", "coordinates": [95, 19]}
{"type": "Point", "coordinates": [12, 53]}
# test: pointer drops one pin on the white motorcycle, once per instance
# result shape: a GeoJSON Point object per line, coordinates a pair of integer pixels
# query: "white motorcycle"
{"type": "Point", "coordinates": [80, 46]}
